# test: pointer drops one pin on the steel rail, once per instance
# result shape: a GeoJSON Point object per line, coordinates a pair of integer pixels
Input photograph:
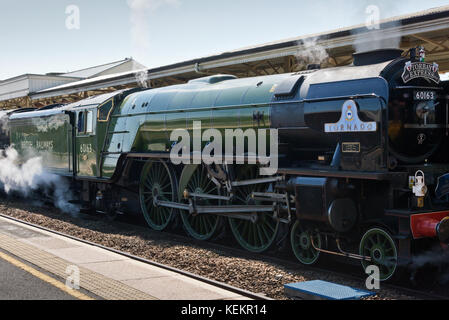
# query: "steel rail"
{"type": "Point", "coordinates": [240, 252]}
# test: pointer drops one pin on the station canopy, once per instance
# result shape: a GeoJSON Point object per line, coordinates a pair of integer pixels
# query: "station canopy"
{"type": "Point", "coordinates": [429, 28]}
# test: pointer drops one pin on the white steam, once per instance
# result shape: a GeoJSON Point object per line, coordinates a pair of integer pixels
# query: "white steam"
{"type": "Point", "coordinates": [433, 257]}
{"type": "Point", "coordinates": [368, 40]}
{"type": "Point", "coordinates": [142, 78]}
{"type": "Point", "coordinates": [3, 122]}
{"type": "Point", "coordinates": [373, 36]}
{"type": "Point", "coordinates": [310, 52]}
{"type": "Point", "coordinates": [47, 124]}
{"type": "Point", "coordinates": [140, 17]}
{"type": "Point", "coordinates": [31, 177]}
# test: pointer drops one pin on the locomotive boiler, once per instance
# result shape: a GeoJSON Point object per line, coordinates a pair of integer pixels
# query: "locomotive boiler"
{"type": "Point", "coordinates": [362, 154]}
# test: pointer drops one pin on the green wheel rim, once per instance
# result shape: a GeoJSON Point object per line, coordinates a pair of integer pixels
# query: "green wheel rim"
{"type": "Point", "coordinates": [156, 180]}
{"type": "Point", "coordinates": [379, 245]}
{"type": "Point", "coordinates": [201, 227]}
{"type": "Point", "coordinates": [303, 249]}
{"type": "Point", "coordinates": [259, 236]}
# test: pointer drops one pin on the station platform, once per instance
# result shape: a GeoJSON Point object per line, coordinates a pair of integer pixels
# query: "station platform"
{"type": "Point", "coordinates": [36, 265]}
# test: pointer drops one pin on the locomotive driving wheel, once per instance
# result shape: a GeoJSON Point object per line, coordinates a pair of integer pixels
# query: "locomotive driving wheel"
{"type": "Point", "coordinates": [259, 235]}
{"type": "Point", "coordinates": [301, 240]}
{"type": "Point", "coordinates": [194, 179]}
{"type": "Point", "coordinates": [157, 182]}
{"type": "Point", "coordinates": [378, 244]}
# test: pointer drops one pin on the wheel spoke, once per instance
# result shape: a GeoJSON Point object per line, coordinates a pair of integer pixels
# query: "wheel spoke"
{"type": "Point", "coordinates": [272, 229]}
{"type": "Point", "coordinates": [156, 180]}
{"type": "Point", "coordinates": [305, 252]}
{"type": "Point", "coordinates": [260, 234]}
{"type": "Point", "coordinates": [378, 245]}
{"type": "Point", "coordinates": [254, 237]}
{"type": "Point", "coordinates": [201, 227]}
{"type": "Point", "coordinates": [264, 230]}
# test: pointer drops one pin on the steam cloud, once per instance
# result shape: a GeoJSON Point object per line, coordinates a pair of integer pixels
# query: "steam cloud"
{"type": "Point", "coordinates": [310, 52]}
{"type": "Point", "coordinates": [373, 38]}
{"type": "Point", "coordinates": [140, 15]}
{"type": "Point", "coordinates": [142, 78]}
{"type": "Point", "coordinates": [435, 257]}
{"type": "Point", "coordinates": [45, 125]}
{"type": "Point", "coordinates": [31, 177]}
{"type": "Point", "coordinates": [3, 122]}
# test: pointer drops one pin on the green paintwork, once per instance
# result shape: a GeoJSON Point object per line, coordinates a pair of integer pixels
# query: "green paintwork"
{"type": "Point", "coordinates": [86, 149]}
{"type": "Point", "coordinates": [143, 122]}
{"type": "Point", "coordinates": [157, 181]}
{"type": "Point", "coordinates": [300, 239]}
{"type": "Point", "coordinates": [47, 137]}
{"type": "Point", "coordinates": [149, 117]}
{"type": "Point", "coordinates": [203, 226]}
{"type": "Point", "coordinates": [381, 248]}
{"type": "Point", "coordinates": [259, 236]}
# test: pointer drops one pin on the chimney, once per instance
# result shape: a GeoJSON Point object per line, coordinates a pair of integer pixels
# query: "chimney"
{"type": "Point", "coordinates": [376, 56]}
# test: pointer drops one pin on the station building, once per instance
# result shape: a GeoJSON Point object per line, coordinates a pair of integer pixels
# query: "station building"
{"type": "Point", "coordinates": [429, 28]}
{"type": "Point", "coordinates": [17, 92]}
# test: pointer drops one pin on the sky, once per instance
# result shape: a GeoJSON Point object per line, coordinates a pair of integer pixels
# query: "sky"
{"type": "Point", "coordinates": [50, 36]}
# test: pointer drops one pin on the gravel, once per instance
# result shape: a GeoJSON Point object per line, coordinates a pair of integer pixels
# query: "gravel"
{"type": "Point", "coordinates": [253, 274]}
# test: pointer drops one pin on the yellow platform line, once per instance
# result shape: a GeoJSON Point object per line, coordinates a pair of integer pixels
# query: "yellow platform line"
{"type": "Point", "coordinates": [44, 277]}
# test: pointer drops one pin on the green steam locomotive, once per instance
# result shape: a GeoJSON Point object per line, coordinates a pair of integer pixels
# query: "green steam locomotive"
{"type": "Point", "coordinates": [360, 157]}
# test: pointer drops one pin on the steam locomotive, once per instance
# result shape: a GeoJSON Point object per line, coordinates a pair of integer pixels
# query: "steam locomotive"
{"type": "Point", "coordinates": [363, 157]}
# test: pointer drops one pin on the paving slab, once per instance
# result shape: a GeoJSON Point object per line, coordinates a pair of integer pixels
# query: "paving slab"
{"type": "Point", "coordinates": [127, 270]}
{"type": "Point", "coordinates": [18, 232]}
{"type": "Point", "coordinates": [180, 288]}
{"type": "Point", "coordinates": [104, 273]}
{"type": "Point", "coordinates": [48, 243]}
{"type": "Point", "coordinates": [85, 254]}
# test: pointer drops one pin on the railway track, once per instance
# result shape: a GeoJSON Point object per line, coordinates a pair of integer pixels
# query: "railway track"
{"type": "Point", "coordinates": [345, 272]}
{"type": "Point", "coordinates": [353, 275]}
{"type": "Point", "coordinates": [325, 185]}
{"type": "Point", "coordinates": [287, 260]}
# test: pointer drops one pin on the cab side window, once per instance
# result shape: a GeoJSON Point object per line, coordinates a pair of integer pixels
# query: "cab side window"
{"type": "Point", "coordinates": [90, 121]}
{"type": "Point", "coordinates": [81, 122]}
{"type": "Point", "coordinates": [105, 110]}
{"type": "Point", "coordinates": [85, 122]}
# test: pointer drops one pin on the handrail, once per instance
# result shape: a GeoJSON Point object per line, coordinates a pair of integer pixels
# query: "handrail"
{"type": "Point", "coordinates": [256, 105]}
